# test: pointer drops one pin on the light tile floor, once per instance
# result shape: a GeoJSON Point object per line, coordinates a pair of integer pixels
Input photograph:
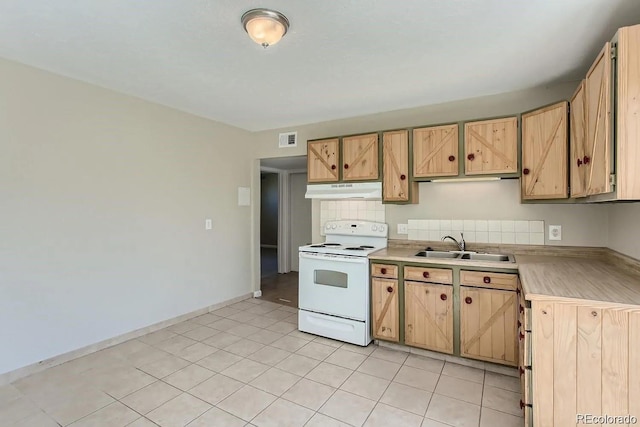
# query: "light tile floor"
{"type": "Point", "coordinates": [247, 365]}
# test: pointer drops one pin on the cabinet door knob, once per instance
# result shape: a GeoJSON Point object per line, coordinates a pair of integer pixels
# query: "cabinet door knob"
{"type": "Point", "coordinates": [443, 297]}
{"type": "Point", "coordinates": [519, 323]}
{"type": "Point", "coordinates": [522, 309]}
{"type": "Point", "coordinates": [579, 162]}
{"type": "Point", "coordinates": [425, 274]}
{"type": "Point", "coordinates": [403, 177]}
{"type": "Point", "coordinates": [521, 336]}
{"type": "Point", "coordinates": [471, 156]}
{"type": "Point", "coordinates": [389, 289]}
{"type": "Point", "coordinates": [586, 160]}
{"type": "Point", "coordinates": [346, 166]}
{"type": "Point", "coordinates": [486, 279]}
{"type": "Point", "coordinates": [525, 171]}
{"type": "Point", "coordinates": [333, 167]}
{"type": "Point", "coordinates": [383, 270]}
{"type": "Point", "coordinates": [452, 158]}
{"type": "Point", "coordinates": [468, 300]}
{"type": "Point", "coordinates": [521, 369]}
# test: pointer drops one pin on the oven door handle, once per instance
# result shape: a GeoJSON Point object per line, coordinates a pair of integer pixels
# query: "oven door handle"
{"type": "Point", "coordinates": [331, 258]}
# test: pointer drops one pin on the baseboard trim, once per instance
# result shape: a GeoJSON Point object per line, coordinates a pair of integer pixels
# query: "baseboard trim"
{"type": "Point", "coordinates": [11, 376]}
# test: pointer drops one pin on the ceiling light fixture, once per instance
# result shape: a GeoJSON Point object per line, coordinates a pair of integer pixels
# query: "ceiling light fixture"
{"type": "Point", "coordinates": [264, 26]}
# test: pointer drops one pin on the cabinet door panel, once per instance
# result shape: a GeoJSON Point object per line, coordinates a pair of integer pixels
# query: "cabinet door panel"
{"type": "Point", "coordinates": [428, 313]}
{"type": "Point", "coordinates": [544, 153]}
{"type": "Point", "coordinates": [488, 325]}
{"type": "Point", "coordinates": [360, 157]}
{"type": "Point", "coordinates": [491, 146]}
{"type": "Point", "coordinates": [322, 160]}
{"type": "Point", "coordinates": [435, 151]}
{"type": "Point", "coordinates": [385, 310]}
{"type": "Point", "coordinates": [598, 102]}
{"type": "Point", "coordinates": [395, 170]}
{"type": "Point", "coordinates": [577, 143]}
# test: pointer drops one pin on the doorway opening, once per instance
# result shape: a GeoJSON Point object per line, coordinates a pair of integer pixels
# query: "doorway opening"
{"type": "Point", "coordinates": [285, 218]}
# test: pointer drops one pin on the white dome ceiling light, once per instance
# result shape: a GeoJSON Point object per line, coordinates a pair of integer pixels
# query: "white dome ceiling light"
{"type": "Point", "coordinates": [265, 27]}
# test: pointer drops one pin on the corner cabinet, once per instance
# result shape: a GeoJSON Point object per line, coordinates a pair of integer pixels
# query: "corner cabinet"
{"type": "Point", "coordinates": [397, 187]}
{"type": "Point", "coordinates": [488, 316]}
{"type": "Point", "coordinates": [428, 308]}
{"type": "Point", "coordinates": [385, 311]}
{"type": "Point", "coordinates": [544, 153]}
{"type": "Point", "coordinates": [360, 158]}
{"type": "Point", "coordinates": [435, 151]}
{"type": "Point", "coordinates": [598, 158]}
{"type": "Point", "coordinates": [322, 160]}
{"type": "Point", "coordinates": [491, 146]}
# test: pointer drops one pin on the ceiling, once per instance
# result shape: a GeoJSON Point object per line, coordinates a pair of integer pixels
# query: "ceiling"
{"type": "Point", "coordinates": [340, 58]}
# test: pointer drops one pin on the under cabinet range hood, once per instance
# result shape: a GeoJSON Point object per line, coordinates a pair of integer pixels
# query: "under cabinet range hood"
{"type": "Point", "coordinates": [350, 190]}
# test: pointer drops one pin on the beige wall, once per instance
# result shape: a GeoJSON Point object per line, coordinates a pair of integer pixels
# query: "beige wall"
{"type": "Point", "coordinates": [300, 216]}
{"type": "Point", "coordinates": [624, 228]}
{"type": "Point", "coordinates": [103, 199]}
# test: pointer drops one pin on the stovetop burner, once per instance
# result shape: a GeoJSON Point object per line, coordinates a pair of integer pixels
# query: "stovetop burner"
{"type": "Point", "coordinates": [325, 245]}
{"type": "Point", "coordinates": [355, 248]}
{"type": "Point", "coordinates": [366, 246]}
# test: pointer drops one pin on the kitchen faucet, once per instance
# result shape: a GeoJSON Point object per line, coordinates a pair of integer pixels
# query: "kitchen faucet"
{"type": "Point", "coordinates": [461, 244]}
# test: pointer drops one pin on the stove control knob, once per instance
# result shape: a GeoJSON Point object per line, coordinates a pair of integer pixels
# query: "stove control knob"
{"type": "Point", "coordinates": [333, 226]}
{"type": "Point", "coordinates": [381, 228]}
{"type": "Point", "coordinates": [374, 227]}
{"type": "Point", "coordinates": [328, 226]}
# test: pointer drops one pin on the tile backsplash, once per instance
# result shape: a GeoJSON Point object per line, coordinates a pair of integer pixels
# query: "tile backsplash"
{"type": "Point", "coordinates": [370, 210]}
{"type": "Point", "coordinates": [478, 231]}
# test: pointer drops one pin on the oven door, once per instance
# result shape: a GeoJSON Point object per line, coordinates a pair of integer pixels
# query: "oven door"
{"type": "Point", "coordinates": [334, 284]}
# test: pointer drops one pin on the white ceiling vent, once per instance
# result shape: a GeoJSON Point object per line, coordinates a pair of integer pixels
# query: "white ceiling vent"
{"type": "Point", "coordinates": [288, 139]}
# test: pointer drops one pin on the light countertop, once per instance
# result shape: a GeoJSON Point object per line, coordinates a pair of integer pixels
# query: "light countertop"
{"type": "Point", "coordinates": [546, 277]}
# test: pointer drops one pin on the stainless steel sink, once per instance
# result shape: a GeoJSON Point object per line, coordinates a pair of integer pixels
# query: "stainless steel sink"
{"type": "Point", "coordinates": [471, 256]}
{"type": "Point", "coordinates": [487, 257]}
{"type": "Point", "coordinates": [438, 254]}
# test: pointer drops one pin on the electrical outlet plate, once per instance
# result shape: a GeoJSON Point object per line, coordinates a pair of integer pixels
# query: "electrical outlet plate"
{"type": "Point", "coordinates": [555, 232]}
{"type": "Point", "coordinates": [208, 224]}
{"type": "Point", "coordinates": [402, 229]}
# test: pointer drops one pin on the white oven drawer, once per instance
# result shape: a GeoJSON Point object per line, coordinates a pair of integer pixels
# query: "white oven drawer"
{"type": "Point", "coordinates": [337, 328]}
{"type": "Point", "coordinates": [334, 285]}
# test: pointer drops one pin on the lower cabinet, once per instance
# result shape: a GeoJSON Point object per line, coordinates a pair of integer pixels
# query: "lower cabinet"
{"type": "Point", "coordinates": [385, 311]}
{"type": "Point", "coordinates": [428, 313]}
{"type": "Point", "coordinates": [488, 325]}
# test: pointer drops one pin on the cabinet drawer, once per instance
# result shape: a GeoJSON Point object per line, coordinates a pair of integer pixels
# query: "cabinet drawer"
{"type": "Point", "coordinates": [388, 271]}
{"type": "Point", "coordinates": [481, 279]}
{"type": "Point", "coordinates": [431, 275]}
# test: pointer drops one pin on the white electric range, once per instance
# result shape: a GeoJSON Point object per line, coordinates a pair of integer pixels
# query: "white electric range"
{"type": "Point", "coordinates": [334, 291]}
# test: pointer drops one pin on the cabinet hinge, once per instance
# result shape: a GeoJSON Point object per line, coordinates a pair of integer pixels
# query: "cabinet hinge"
{"type": "Point", "coordinates": [612, 180]}
{"type": "Point", "coordinates": [614, 50]}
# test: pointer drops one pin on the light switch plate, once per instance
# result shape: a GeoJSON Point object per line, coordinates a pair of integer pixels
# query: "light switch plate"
{"type": "Point", "coordinates": [403, 229]}
{"type": "Point", "coordinates": [555, 232]}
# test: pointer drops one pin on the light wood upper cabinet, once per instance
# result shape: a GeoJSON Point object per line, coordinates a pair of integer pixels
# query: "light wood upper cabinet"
{"type": "Point", "coordinates": [385, 310]}
{"type": "Point", "coordinates": [488, 329]}
{"type": "Point", "coordinates": [395, 168]}
{"type": "Point", "coordinates": [428, 311]}
{"type": "Point", "coordinates": [597, 159]}
{"type": "Point", "coordinates": [322, 160]}
{"type": "Point", "coordinates": [544, 153]}
{"type": "Point", "coordinates": [435, 151]}
{"type": "Point", "coordinates": [491, 146]}
{"type": "Point", "coordinates": [577, 141]}
{"type": "Point", "coordinates": [628, 114]}
{"type": "Point", "coordinates": [360, 157]}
